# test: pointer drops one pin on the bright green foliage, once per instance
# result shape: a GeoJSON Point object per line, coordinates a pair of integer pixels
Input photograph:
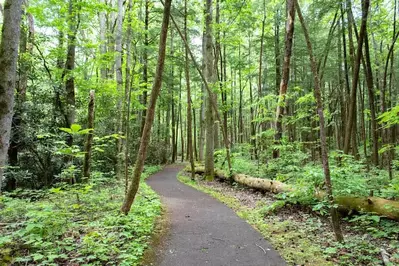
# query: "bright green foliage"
{"type": "Point", "coordinates": [305, 241]}
{"type": "Point", "coordinates": [77, 224]}
{"type": "Point", "coordinates": [349, 176]}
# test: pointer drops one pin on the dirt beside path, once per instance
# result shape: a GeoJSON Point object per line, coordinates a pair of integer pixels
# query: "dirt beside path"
{"type": "Point", "coordinates": [203, 231]}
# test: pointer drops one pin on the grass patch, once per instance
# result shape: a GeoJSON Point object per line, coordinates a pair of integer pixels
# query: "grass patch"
{"type": "Point", "coordinates": [78, 224]}
{"type": "Point", "coordinates": [287, 237]}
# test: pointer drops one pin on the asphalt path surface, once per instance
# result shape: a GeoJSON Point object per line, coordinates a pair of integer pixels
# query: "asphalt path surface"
{"type": "Point", "coordinates": [204, 231]}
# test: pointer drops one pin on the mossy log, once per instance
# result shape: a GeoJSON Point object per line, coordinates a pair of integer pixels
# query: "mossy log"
{"type": "Point", "coordinates": [379, 206]}
{"type": "Point", "coordinates": [249, 181]}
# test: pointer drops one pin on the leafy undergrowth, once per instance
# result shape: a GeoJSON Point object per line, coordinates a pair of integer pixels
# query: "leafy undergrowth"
{"type": "Point", "coordinates": [304, 237]}
{"type": "Point", "coordinates": [77, 225]}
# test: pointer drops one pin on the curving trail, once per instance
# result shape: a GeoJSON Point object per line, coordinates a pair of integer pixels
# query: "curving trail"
{"type": "Point", "coordinates": [203, 231]}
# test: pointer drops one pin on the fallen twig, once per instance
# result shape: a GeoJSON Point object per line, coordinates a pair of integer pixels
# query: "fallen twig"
{"type": "Point", "coordinates": [261, 248]}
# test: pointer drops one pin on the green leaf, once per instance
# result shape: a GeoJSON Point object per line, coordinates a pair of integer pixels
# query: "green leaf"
{"type": "Point", "coordinates": [67, 130]}
{"type": "Point", "coordinates": [85, 131]}
{"type": "Point", "coordinates": [375, 218]}
{"type": "Point", "coordinates": [55, 190]}
{"type": "Point", "coordinates": [330, 250]}
{"type": "Point", "coordinates": [75, 128]}
{"type": "Point", "coordinates": [37, 257]}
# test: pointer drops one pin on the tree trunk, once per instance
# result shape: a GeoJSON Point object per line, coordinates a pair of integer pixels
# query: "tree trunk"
{"type": "Point", "coordinates": [119, 86]}
{"type": "Point", "coordinates": [181, 119]}
{"type": "Point", "coordinates": [210, 77]}
{"type": "Point", "coordinates": [174, 122]}
{"type": "Point", "coordinates": [260, 69]}
{"type": "Point", "coordinates": [145, 63]}
{"type": "Point", "coordinates": [355, 79]}
{"type": "Point", "coordinates": [371, 96]}
{"type": "Point", "coordinates": [323, 139]}
{"type": "Point", "coordinates": [89, 139]}
{"type": "Point", "coordinates": [277, 55]}
{"type": "Point", "coordinates": [285, 74]}
{"type": "Point", "coordinates": [145, 138]}
{"type": "Point", "coordinates": [127, 96]}
{"type": "Point", "coordinates": [212, 100]}
{"type": "Point", "coordinates": [103, 40]}
{"type": "Point", "coordinates": [24, 68]}
{"type": "Point", "coordinates": [189, 120]}
{"type": "Point", "coordinates": [73, 20]}
{"type": "Point", "coordinates": [8, 74]}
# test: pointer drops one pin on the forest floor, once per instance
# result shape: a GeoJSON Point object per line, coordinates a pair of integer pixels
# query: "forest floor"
{"type": "Point", "coordinates": [204, 231]}
{"type": "Point", "coordinates": [301, 236]}
{"type": "Point", "coordinates": [77, 224]}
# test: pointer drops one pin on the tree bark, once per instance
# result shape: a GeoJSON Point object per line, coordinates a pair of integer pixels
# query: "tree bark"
{"type": "Point", "coordinates": [210, 77]}
{"type": "Point", "coordinates": [119, 86]}
{"type": "Point", "coordinates": [371, 96]}
{"type": "Point", "coordinates": [103, 40]}
{"type": "Point", "coordinates": [355, 79]}
{"type": "Point", "coordinates": [323, 139]}
{"type": "Point", "coordinates": [208, 89]}
{"type": "Point", "coordinates": [73, 21]}
{"type": "Point", "coordinates": [189, 120]}
{"type": "Point", "coordinates": [8, 73]}
{"type": "Point", "coordinates": [145, 138]}
{"type": "Point", "coordinates": [289, 35]}
{"type": "Point", "coordinates": [127, 96]}
{"type": "Point", "coordinates": [145, 62]}
{"type": "Point", "coordinates": [260, 69]}
{"type": "Point", "coordinates": [24, 69]}
{"type": "Point", "coordinates": [89, 139]}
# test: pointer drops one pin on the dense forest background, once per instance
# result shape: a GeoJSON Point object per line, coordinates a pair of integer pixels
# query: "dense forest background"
{"type": "Point", "coordinates": [238, 93]}
{"type": "Point", "coordinates": [69, 48]}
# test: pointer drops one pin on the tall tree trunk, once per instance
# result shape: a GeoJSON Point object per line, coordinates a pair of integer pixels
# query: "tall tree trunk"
{"type": "Point", "coordinates": [241, 91]}
{"type": "Point", "coordinates": [201, 140]}
{"type": "Point", "coordinates": [371, 96]}
{"type": "Point", "coordinates": [252, 111]}
{"type": "Point", "coordinates": [171, 85]}
{"type": "Point", "coordinates": [323, 139]}
{"type": "Point", "coordinates": [277, 49]}
{"type": "Point", "coordinates": [89, 139]}
{"type": "Point", "coordinates": [212, 100]}
{"type": "Point", "coordinates": [189, 120]}
{"type": "Point", "coordinates": [260, 69]}
{"type": "Point", "coordinates": [128, 94]}
{"type": "Point", "coordinates": [24, 68]}
{"type": "Point", "coordinates": [181, 118]}
{"type": "Point", "coordinates": [119, 86]}
{"type": "Point", "coordinates": [195, 151]}
{"type": "Point", "coordinates": [355, 79]}
{"type": "Point", "coordinates": [341, 117]}
{"type": "Point", "coordinates": [103, 40]}
{"type": "Point", "coordinates": [73, 20]}
{"type": "Point", "coordinates": [8, 73]}
{"type": "Point", "coordinates": [145, 62]}
{"type": "Point", "coordinates": [145, 138]}
{"type": "Point", "coordinates": [210, 77]}
{"type": "Point", "coordinates": [285, 74]}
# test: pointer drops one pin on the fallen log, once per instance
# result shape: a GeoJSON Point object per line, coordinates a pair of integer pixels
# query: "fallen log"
{"type": "Point", "coordinates": [249, 181]}
{"type": "Point", "coordinates": [379, 206]}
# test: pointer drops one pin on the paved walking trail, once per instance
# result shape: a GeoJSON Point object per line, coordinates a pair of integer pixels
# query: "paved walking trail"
{"type": "Point", "coordinates": [204, 231]}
